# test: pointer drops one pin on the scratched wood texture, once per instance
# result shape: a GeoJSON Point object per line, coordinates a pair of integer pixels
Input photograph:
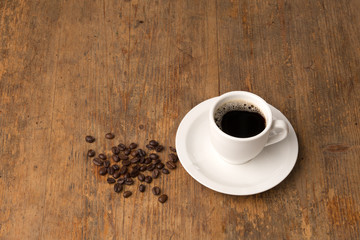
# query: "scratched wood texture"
{"type": "Point", "coordinates": [136, 67]}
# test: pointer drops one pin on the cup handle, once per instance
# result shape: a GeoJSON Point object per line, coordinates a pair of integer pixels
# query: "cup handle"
{"type": "Point", "coordinates": [278, 131]}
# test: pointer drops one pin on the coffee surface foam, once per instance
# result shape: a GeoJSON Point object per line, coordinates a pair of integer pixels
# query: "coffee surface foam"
{"type": "Point", "coordinates": [234, 106]}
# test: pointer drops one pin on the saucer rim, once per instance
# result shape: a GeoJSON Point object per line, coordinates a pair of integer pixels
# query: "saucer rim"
{"type": "Point", "coordinates": [272, 181]}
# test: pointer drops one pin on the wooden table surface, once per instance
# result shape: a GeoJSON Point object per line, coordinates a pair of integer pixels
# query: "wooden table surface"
{"type": "Point", "coordinates": [135, 68]}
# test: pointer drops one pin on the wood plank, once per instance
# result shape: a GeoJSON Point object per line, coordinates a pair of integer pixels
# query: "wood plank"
{"type": "Point", "coordinates": [89, 100]}
{"type": "Point", "coordinates": [26, 123]}
{"type": "Point", "coordinates": [168, 64]}
{"type": "Point", "coordinates": [301, 57]}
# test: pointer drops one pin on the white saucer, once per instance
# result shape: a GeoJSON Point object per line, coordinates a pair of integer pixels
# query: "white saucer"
{"type": "Point", "coordinates": [202, 162]}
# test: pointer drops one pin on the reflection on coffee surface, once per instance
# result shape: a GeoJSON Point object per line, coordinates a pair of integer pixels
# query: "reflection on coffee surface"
{"type": "Point", "coordinates": [239, 119]}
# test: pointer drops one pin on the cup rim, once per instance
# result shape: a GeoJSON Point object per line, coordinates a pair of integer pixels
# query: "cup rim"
{"type": "Point", "coordinates": [268, 116]}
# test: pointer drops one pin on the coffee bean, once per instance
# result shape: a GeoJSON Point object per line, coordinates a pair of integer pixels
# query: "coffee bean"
{"type": "Point", "coordinates": [106, 163]}
{"type": "Point", "coordinates": [115, 150]}
{"type": "Point", "coordinates": [157, 161]}
{"type": "Point", "coordinates": [127, 194]}
{"type": "Point", "coordinates": [148, 179]}
{"type": "Point", "coordinates": [141, 177]}
{"type": "Point", "coordinates": [150, 147]}
{"type": "Point", "coordinates": [103, 171]}
{"type": "Point", "coordinates": [121, 180]}
{"type": "Point", "coordinates": [135, 160]}
{"type": "Point", "coordinates": [136, 167]}
{"type": "Point", "coordinates": [160, 165]}
{"type": "Point", "coordinates": [118, 187]}
{"type": "Point", "coordinates": [142, 188]}
{"type": "Point", "coordinates": [127, 151]}
{"type": "Point", "coordinates": [126, 162]}
{"type": "Point", "coordinates": [163, 198]}
{"type": "Point", "coordinates": [123, 170]}
{"type": "Point", "coordinates": [116, 175]}
{"type": "Point", "coordinates": [154, 156]}
{"type": "Point", "coordinates": [147, 160]}
{"type": "Point", "coordinates": [134, 173]}
{"type": "Point", "coordinates": [141, 152]}
{"type": "Point", "coordinates": [155, 173]}
{"type": "Point", "coordinates": [111, 171]}
{"type": "Point", "coordinates": [133, 145]}
{"type": "Point", "coordinates": [173, 157]}
{"type": "Point", "coordinates": [150, 167]}
{"type": "Point", "coordinates": [111, 180]}
{"type": "Point", "coordinates": [122, 147]}
{"type": "Point", "coordinates": [156, 190]}
{"type": "Point", "coordinates": [170, 165]}
{"type": "Point", "coordinates": [138, 163]}
{"type": "Point", "coordinates": [123, 157]}
{"type": "Point", "coordinates": [89, 139]}
{"type": "Point", "coordinates": [109, 136]}
{"type": "Point", "coordinates": [98, 162]}
{"type": "Point", "coordinates": [115, 158]}
{"type": "Point", "coordinates": [159, 148]}
{"type": "Point", "coordinates": [153, 143]}
{"type": "Point", "coordinates": [129, 181]}
{"type": "Point", "coordinates": [134, 153]}
{"type": "Point", "coordinates": [91, 153]}
{"type": "Point", "coordinates": [116, 167]}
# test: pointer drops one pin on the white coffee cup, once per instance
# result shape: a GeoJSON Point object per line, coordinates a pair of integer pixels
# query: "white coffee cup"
{"type": "Point", "coordinates": [237, 150]}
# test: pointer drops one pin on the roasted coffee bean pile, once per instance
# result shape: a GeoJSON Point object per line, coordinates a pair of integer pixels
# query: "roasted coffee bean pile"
{"type": "Point", "coordinates": [129, 162]}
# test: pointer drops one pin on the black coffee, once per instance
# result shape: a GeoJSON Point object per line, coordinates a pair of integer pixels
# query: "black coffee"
{"type": "Point", "coordinates": [240, 119]}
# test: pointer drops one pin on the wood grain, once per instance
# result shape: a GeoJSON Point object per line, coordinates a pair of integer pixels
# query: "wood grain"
{"type": "Point", "coordinates": [135, 68]}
